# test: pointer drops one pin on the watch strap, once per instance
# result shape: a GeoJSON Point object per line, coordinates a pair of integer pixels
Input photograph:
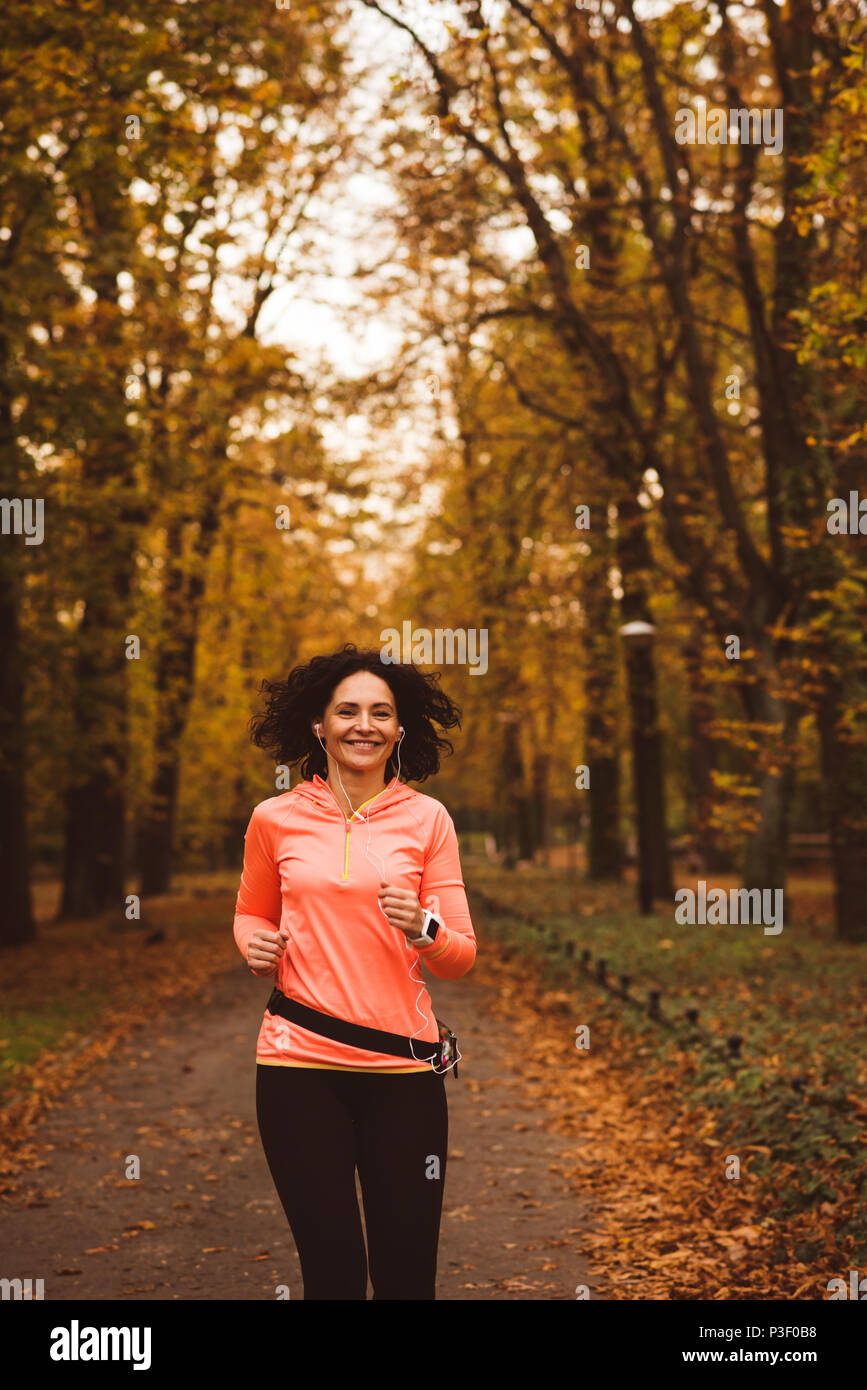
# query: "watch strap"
{"type": "Point", "coordinates": [424, 939]}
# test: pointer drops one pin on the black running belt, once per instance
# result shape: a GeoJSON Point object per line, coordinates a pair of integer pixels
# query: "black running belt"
{"type": "Point", "coordinates": [353, 1034]}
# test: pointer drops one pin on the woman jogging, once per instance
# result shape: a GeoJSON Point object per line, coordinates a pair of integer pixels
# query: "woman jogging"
{"type": "Point", "coordinates": [350, 881]}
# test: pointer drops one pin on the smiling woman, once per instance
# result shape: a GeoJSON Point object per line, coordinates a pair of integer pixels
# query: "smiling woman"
{"type": "Point", "coordinates": [340, 876]}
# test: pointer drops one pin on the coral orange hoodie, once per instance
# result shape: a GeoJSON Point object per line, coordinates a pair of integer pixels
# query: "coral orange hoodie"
{"type": "Point", "coordinates": [318, 874]}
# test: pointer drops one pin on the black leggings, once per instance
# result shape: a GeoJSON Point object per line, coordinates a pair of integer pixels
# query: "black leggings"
{"type": "Point", "coordinates": [316, 1127]}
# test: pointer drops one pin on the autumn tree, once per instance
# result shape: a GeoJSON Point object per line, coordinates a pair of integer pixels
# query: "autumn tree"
{"type": "Point", "coordinates": [566, 122]}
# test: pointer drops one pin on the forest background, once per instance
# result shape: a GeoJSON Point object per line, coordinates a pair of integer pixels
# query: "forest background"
{"type": "Point", "coordinates": [321, 320]}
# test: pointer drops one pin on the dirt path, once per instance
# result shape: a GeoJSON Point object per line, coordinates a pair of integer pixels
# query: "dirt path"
{"type": "Point", "coordinates": [204, 1221]}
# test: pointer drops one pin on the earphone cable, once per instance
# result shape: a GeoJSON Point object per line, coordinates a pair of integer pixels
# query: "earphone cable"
{"type": "Point", "coordinates": [367, 852]}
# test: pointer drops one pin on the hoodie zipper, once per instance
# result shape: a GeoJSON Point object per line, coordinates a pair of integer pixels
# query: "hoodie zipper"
{"type": "Point", "coordinates": [348, 824]}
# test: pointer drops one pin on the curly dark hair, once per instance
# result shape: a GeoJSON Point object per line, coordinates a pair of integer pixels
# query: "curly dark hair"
{"type": "Point", "coordinates": [284, 729]}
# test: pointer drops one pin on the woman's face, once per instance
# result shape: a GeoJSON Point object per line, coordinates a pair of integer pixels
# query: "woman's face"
{"type": "Point", "coordinates": [360, 723]}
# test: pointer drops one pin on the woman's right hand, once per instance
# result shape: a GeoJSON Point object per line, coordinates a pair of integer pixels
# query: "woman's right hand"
{"type": "Point", "coordinates": [264, 950]}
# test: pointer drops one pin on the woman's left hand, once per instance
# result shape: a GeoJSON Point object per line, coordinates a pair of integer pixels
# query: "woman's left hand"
{"type": "Point", "coordinates": [403, 909]}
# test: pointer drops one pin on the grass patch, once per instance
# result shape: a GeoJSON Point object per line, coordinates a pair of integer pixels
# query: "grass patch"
{"type": "Point", "coordinates": [77, 975]}
{"type": "Point", "coordinates": [794, 1105]}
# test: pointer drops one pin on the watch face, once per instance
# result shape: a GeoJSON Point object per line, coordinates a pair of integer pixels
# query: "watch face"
{"type": "Point", "coordinates": [432, 928]}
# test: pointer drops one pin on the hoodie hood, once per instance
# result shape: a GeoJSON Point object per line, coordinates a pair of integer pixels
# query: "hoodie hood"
{"type": "Point", "coordinates": [319, 792]}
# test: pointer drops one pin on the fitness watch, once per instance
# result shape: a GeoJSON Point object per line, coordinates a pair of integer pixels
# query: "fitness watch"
{"type": "Point", "coordinates": [429, 930]}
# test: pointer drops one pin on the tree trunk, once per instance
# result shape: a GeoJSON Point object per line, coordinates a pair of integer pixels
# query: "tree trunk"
{"type": "Point", "coordinates": [540, 774]}
{"type": "Point", "coordinates": [518, 814]}
{"type": "Point", "coordinates": [702, 762]}
{"type": "Point", "coordinates": [93, 875]}
{"type": "Point", "coordinates": [175, 682]}
{"type": "Point", "coordinates": [17, 924]}
{"type": "Point", "coordinates": [844, 767]}
{"type": "Point", "coordinates": [766, 855]}
{"type": "Point", "coordinates": [175, 676]}
{"type": "Point", "coordinates": [766, 852]}
{"type": "Point", "coordinates": [604, 843]}
{"type": "Point", "coordinates": [158, 821]}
